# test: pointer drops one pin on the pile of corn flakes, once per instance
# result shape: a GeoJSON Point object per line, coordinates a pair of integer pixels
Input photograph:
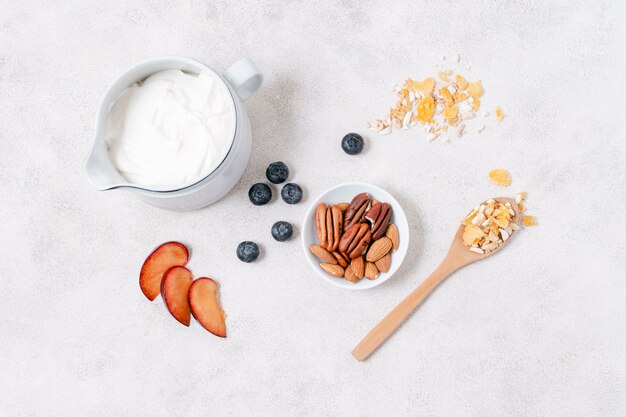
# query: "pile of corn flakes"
{"type": "Point", "coordinates": [492, 223]}
{"type": "Point", "coordinates": [489, 225]}
{"type": "Point", "coordinates": [440, 105]}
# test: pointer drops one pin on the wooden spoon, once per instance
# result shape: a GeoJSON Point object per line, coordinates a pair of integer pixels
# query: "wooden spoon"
{"type": "Point", "coordinates": [458, 256]}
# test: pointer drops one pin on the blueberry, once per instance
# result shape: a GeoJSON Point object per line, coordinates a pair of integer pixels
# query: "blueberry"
{"type": "Point", "coordinates": [247, 251]}
{"type": "Point", "coordinates": [277, 172]}
{"type": "Point", "coordinates": [291, 193]}
{"type": "Point", "coordinates": [282, 231]}
{"type": "Point", "coordinates": [352, 143]}
{"type": "Point", "coordinates": [260, 194]}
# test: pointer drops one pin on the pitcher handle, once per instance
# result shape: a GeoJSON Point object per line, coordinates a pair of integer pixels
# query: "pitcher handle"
{"type": "Point", "coordinates": [244, 77]}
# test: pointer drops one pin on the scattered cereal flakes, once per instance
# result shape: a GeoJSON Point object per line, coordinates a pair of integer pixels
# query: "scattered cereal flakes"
{"type": "Point", "coordinates": [472, 234]}
{"type": "Point", "coordinates": [460, 131]}
{"type": "Point", "coordinates": [426, 87]}
{"type": "Point", "coordinates": [460, 97]}
{"type": "Point", "coordinates": [426, 109]}
{"type": "Point", "coordinates": [450, 112]}
{"type": "Point", "coordinates": [521, 207]}
{"type": "Point", "coordinates": [500, 177]}
{"type": "Point", "coordinates": [499, 114]}
{"type": "Point", "coordinates": [502, 222]}
{"type": "Point", "coordinates": [475, 89]}
{"type": "Point", "coordinates": [529, 220]}
{"type": "Point", "coordinates": [447, 96]}
{"type": "Point", "coordinates": [461, 82]}
{"type": "Point", "coordinates": [467, 115]}
{"type": "Point", "coordinates": [437, 103]}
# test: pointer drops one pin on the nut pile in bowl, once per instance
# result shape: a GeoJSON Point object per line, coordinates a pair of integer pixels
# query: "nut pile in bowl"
{"type": "Point", "coordinates": [355, 239]}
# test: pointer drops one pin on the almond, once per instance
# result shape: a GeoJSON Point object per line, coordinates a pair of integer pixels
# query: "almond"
{"type": "Point", "coordinates": [342, 206]}
{"type": "Point", "coordinates": [332, 269]}
{"type": "Point", "coordinates": [350, 275]}
{"type": "Point", "coordinates": [322, 254]}
{"type": "Point", "coordinates": [384, 263]}
{"type": "Point", "coordinates": [379, 249]}
{"type": "Point", "coordinates": [371, 272]}
{"type": "Point", "coordinates": [358, 267]}
{"type": "Point", "coordinates": [392, 234]}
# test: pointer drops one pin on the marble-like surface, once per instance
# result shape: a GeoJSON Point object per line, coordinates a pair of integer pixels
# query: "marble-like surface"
{"type": "Point", "coordinates": [538, 330]}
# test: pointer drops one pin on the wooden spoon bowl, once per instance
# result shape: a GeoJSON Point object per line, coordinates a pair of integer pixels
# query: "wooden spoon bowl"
{"type": "Point", "coordinates": [458, 256]}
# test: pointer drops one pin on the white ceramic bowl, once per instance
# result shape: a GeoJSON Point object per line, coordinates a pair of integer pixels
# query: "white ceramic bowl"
{"type": "Point", "coordinates": [344, 193]}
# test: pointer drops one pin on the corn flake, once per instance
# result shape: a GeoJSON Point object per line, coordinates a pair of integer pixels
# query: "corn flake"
{"type": "Point", "coordinates": [426, 109]}
{"type": "Point", "coordinates": [499, 114]}
{"type": "Point", "coordinates": [475, 89]}
{"type": "Point", "coordinates": [461, 82]}
{"type": "Point", "coordinates": [500, 177]}
{"type": "Point", "coordinates": [472, 234]}
{"type": "Point", "coordinates": [529, 220]}
{"type": "Point", "coordinates": [426, 87]}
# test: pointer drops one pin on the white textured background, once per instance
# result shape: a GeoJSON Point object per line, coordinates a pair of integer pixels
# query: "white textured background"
{"type": "Point", "coordinates": [539, 330]}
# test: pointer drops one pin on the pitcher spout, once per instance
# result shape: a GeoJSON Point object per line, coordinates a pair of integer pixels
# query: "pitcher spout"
{"type": "Point", "coordinates": [101, 173]}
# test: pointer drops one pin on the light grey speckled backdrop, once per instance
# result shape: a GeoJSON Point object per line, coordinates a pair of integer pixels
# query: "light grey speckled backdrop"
{"type": "Point", "coordinates": [539, 330]}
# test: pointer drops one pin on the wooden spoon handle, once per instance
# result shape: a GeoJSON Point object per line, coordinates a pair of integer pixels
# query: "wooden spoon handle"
{"type": "Point", "coordinates": [399, 314]}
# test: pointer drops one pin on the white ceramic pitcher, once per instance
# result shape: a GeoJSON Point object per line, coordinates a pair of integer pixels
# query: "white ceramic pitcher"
{"type": "Point", "coordinates": [242, 80]}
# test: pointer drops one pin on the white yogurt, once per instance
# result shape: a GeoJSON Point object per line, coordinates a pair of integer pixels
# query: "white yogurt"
{"type": "Point", "coordinates": [171, 130]}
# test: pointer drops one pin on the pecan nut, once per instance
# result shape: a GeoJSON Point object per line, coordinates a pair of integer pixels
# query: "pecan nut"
{"type": "Point", "coordinates": [355, 240]}
{"type": "Point", "coordinates": [342, 259]}
{"type": "Point", "coordinates": [355, 212]}
{"type": "Point", "coordinates": [320, 225]}
{"type": "Point", "coordinates": [329, 230]}
{"type": "Point", "coordinates": [379, 216]}
{"type": "Point", "coordinates": [336, 222]}
{"type": "Point", "coordinates": [329, 225]}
